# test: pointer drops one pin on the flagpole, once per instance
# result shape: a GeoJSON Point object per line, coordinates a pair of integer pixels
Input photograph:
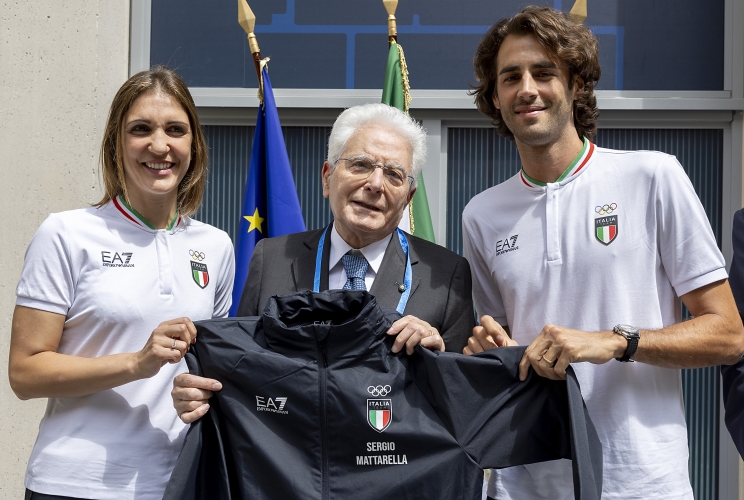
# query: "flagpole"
{"type": "Point", "coordinates": [247, 20]}
{"type": "Point", "coordinates": [390, 6]}
{"type": "Point", "coordinates": [270, 205]}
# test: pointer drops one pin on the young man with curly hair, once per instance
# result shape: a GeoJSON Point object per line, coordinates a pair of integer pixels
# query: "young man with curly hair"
{"type": "Point", "coordinates": [584, 255]}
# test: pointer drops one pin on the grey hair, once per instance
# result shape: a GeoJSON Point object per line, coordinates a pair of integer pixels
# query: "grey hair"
{"type": "Point", "coordinates": [358, 117]}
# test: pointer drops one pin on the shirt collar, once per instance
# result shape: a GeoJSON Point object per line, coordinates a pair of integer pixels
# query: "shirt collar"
{"type": "Point", "coordinates": [576, 166]}
{"type": "Point", "coordinates": [374, 252]}
{"type": "Point", "coordinates": [133, 216]}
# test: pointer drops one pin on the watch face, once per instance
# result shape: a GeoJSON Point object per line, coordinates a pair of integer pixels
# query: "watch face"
{"type": "Point", "coordinates": [627, 331]}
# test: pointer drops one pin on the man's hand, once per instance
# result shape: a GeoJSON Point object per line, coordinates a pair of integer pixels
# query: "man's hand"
{"type": "Point", "coordinates": [190, 395]}
{"type": "Point", "coordinates": [411, 331]}
{"type": "Point", "coordinates": [489, 335]}
{"type": "Point", "coordinates": [556, 347]}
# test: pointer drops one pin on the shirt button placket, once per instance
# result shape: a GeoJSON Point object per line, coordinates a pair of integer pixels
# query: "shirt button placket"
{"type": "Point", "coordinates": [552, 223]}
{"type": "Point", "coordinates": [165, 268]}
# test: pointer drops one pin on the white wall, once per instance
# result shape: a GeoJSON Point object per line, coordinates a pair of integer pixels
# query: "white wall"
{"type": "Point", "coordinates": [60, 65]}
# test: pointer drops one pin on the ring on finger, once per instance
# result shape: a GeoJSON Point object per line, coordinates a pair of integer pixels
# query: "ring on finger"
{"type": "Point", "coordinates": [173, 346]}
{"type": "Point", "coordinates": [550, 362]}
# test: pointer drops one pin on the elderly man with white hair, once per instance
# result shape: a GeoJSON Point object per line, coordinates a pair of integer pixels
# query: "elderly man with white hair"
{"type": "Point", "coordinates": [375, 153]}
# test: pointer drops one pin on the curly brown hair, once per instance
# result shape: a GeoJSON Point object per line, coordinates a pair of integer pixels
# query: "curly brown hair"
{"type": "Point", "coordinates": [567, 40]}
{"type": "Point", "coordinates": [167, 81]}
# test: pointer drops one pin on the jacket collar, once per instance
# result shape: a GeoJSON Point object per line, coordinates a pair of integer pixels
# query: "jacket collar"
{"type": "Point", "coordinates": [392, 270]}
{"type": "Point", "coordinates": [335, 324]}
{"type": "Point", "coordinates": [303, 266]}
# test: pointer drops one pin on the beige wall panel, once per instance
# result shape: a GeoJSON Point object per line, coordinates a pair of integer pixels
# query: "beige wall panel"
{"type": "Point", "coordinates": [60, 65]}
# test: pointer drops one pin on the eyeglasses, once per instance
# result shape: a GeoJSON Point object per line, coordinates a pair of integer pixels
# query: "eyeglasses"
{"type": "Point", "coordinates": [362, 167]}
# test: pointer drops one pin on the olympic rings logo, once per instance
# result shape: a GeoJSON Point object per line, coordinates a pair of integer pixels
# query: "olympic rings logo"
{"type": "Point", "coordinates": [196, 255]}
{"type": "Point", "coordinates": [379, 390]}
{"type": "Point", "coordinates": [606, 209]}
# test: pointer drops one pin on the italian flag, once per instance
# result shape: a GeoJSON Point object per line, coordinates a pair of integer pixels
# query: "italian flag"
{"type": "Point", "coordinates": [379, 418]}
{"type": "Point", "coordinates": [396, 93]}
{"type": "Point", "coordinates": [201, 278]}
{"type": "Point", "coordinates": [606, 234]}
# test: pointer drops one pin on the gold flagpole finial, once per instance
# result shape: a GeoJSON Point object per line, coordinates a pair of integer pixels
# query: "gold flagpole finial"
{"type": "Point", "coordinates": [578, 11]}
{"type": "Point", "coordinates": [390, 6]}
{"type": "Point", "coordinates": [247, 20]}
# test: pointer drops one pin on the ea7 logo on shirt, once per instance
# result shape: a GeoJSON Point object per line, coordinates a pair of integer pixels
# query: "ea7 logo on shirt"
{"type": "Point", "coordinates": [507, 245]}
{"type": "Point", "coordinates": [116, 259]}
{"type": "Point", "coordinates": [605, 229]}
{"type": "Point", "coordinates": [275, 405]}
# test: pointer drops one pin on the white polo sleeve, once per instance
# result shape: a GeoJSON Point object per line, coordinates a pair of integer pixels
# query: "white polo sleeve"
{"type": "Point", "coordinates": [687, 245]}
{"type": "Point", "coordinates": [225, 280]}
{"type": "Point", "coordinates": [486, 295]}
{"type": "Point", "coordinates": [47, 280]}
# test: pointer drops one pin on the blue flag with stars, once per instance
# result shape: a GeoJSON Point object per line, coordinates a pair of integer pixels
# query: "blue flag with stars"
{"type": "Point", "coordinates": [270, 204]}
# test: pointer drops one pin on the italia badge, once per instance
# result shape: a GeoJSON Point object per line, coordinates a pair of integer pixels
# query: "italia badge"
{"type": "Point", "coordinates": [605, 229]}
{"type": "Point", "coordinates": [200, 274]}
{"type": "Point", "coordinates": [379, 413]}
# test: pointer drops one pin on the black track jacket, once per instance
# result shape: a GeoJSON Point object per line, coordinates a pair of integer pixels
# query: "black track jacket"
{"type": "Point", "coordinates": [315, 406]}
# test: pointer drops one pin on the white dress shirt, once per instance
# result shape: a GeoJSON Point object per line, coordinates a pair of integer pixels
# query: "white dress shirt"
{"type": "Point", "coordinates": [374, 252]}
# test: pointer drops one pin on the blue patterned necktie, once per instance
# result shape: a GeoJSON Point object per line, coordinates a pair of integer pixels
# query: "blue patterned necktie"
{"type": "Point", "coordinates": [355, 266]}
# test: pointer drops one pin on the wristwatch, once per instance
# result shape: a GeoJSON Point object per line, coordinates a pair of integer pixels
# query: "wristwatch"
{"type": "Point", "coordinates": [632, 335]}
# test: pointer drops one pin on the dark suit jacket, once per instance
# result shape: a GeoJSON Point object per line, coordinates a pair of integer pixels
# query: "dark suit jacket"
{"type": "Point", "coordinates": [733, 375]}
{"type": "Point", "coordinates": [440, 289]}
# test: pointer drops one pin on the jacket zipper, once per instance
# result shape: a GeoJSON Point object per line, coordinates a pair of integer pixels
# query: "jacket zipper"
{"type": "Point", "coordinates": [325, 487]}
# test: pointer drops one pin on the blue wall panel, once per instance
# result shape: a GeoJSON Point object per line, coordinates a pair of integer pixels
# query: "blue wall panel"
{"type": "Point", "coordinates": [341, 44]}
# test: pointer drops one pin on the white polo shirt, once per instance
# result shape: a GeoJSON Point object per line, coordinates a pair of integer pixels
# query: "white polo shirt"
{"type": "Point", "coordinates": [616, 240]}
{"type": "Point", "coordinates": [115, 279]}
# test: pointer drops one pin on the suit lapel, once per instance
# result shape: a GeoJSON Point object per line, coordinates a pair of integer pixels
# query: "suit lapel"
{"type": "Point", "coordinates": [303, 266]}
{"type": "Point", "coordinates": [391, 273]}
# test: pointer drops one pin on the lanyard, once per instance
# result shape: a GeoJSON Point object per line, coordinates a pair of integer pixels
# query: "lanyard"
{"type": "Point", "coordinates": [406, 277]}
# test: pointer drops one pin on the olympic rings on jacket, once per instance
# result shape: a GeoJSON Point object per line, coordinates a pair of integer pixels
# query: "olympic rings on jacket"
{"type": "Point", "coordinates": [379, 390]}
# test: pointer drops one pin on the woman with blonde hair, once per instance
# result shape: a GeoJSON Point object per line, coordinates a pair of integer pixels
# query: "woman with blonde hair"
{"type": "Point", "coordinates": [92, 327]}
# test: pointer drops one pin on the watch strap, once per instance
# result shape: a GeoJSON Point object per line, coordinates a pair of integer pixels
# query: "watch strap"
{"type": "Point", "coordinates": [632, 335]}
{"type": "Point", "coordinates": [630, 350]}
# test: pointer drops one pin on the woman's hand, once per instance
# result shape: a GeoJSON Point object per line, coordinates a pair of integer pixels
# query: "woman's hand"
{"type": "Point", "coordinates": [168, 343]}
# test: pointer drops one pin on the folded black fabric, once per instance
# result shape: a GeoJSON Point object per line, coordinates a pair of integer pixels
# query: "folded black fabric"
{"type": "Point", "coordinates": [315, 406]}
{"type": "Point", "coordinates": [733, 375]}
{"type": "Point", "coordinates": [733, 402]}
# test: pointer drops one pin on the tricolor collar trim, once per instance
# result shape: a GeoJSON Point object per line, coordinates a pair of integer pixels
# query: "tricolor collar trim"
{"type": "Point", "coordinates": [574, 168]}
{"type": "Point", "coordinates": [134, 216]}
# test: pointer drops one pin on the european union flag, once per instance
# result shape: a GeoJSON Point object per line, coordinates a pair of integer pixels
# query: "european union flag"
{"type": "Point", "coordinates": [270, 205]}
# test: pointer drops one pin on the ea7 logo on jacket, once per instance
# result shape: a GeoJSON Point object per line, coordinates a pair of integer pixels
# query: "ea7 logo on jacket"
{"type": "Point", "coordinates": [379, 413]}
{"type": "Point", "coordinates": [116, 259]}
{"type": "Point", "coordinates": [507, 245]}
{"type": "Point", "coordinates": [275, 405]}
